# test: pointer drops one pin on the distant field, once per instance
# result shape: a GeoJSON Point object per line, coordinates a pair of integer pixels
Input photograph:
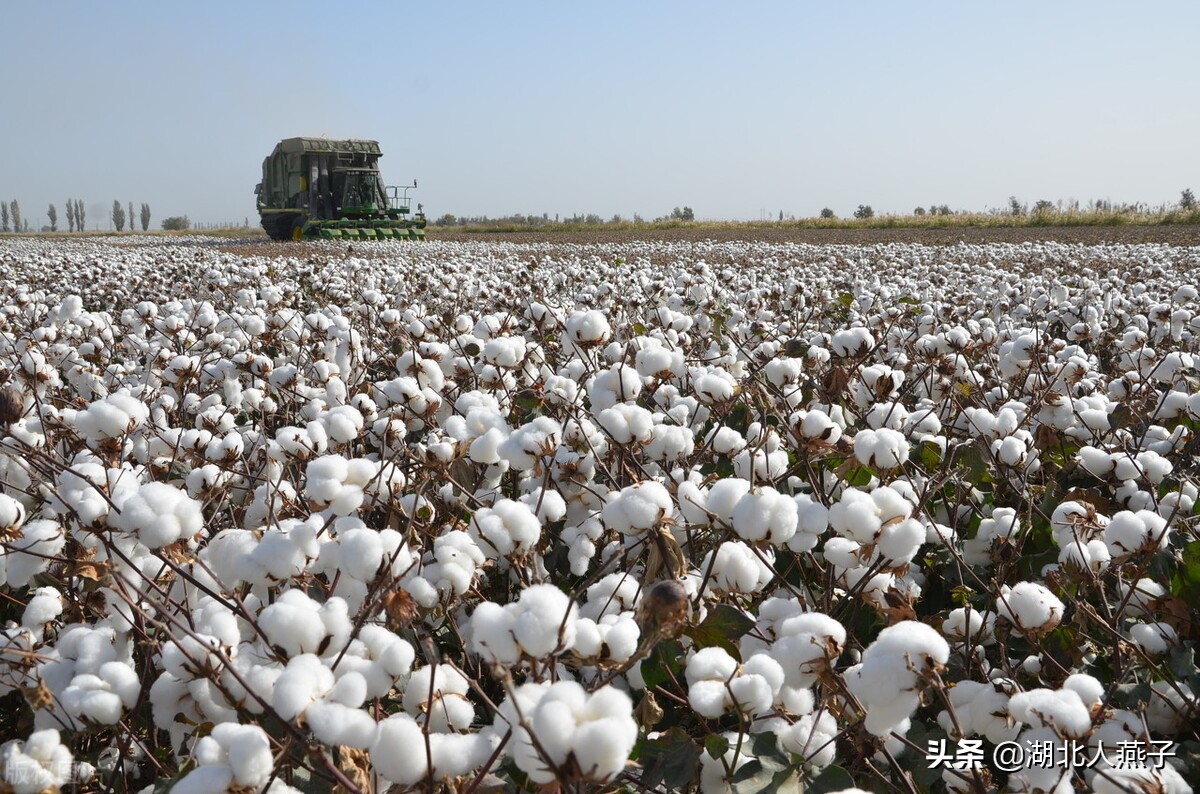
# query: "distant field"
{"type": "Point", "coordinates": [1172, 234]}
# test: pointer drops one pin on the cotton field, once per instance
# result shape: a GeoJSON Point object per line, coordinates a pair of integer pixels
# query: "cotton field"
{"type": "Point", "coordinates": [645, 517]}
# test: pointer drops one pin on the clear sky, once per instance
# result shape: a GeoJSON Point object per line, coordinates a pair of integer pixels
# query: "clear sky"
{"type": "Point", "coordinates": [734, 109]}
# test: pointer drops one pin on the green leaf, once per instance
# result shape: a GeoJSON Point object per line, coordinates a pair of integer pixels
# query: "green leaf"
{"type": "Point", "coordinates": [662, 663]}
{"type": "Point", "coordinates": [930, 454]}
{"type": "Point", "coordinates": [721, 628]}
{"type": "Point", "coordinates": [639, 329]}
{"type": "Point", "coordinates": [859, 476]}
{"type": "Point", "coordinates": [832, 778]}
{"type": "Point", "coordinates": [1185, 582]}
{"type": "Point", "coordinates": [756, 775]}
{"type": "Point", "coordinates": [845, 299]}
{"type": "Point", "coordinates": [716, 745]}
{"type": "Point", "coordinates": [672, 760]}
{"type": "Point", "coordinates": [1182, 661]}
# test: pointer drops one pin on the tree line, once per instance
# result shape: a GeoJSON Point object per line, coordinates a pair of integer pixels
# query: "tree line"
{"type": "Point", "coordinates": [11, 219]}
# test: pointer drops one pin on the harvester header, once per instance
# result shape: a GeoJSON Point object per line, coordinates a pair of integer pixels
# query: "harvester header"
{"type": "Point", "coordinates": [320, 188]}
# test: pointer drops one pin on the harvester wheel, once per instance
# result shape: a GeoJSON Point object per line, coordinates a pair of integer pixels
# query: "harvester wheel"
{"type": "Point", "coordinates": [298, 229]}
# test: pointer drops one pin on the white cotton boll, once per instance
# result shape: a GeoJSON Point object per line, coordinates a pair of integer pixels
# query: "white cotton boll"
{"type": "Point", "coordinates": [588, 328]}
{"type": "Point", "coordinates": [637, 508]}
{"type": "Point", "coordinates": [812, 521]}
{"type": "Point", "coordinates": [1097, 461]}
{"type": "Point", "coordinates": [338, 724]}
{"type": "Point", "coordinates": [856, 516]}
{"type": "Point", "coordinates": [669, 443]}
{"type": "Point", "coordinates": [45, 606]}
{"type": "Point", "coordinates": [506, 528]}
{"type": "Point", "coordinates": [969, 625]}
{"type": "Point", "coordinates": [205, 780]}
{"type": "Point", "coordinates": [1128, 533]}
{"type": "Point", "coordinates": [714, 779]}
{"type": "Point", "coordinates": [764, 514]}
{"type": "Point", "coordinates": [881, 449]}
{"type": "Point", "coordinates": [548, 505]}
{"type": "Point", "coordinates": [713, 663]}
{"type": "Point", "coordinates": [618, 384]}
{"type": "Point", "coordinates": [304, 680]}
{"type": "Point", "coordinates": [1062, 709]}
{"type": "Point", "coordinates": [530, 443]}
{"type": "Point", "coordinates": [398, 752]}
{"type": "Point", "coordinates": [12, 513]}
{"type": "Point", "coordinates": [627, 423]}
{"type": "Point", "coordinates": [713, 387]}
{"type": "Point", "coordinates": [248, 753]}
{"type": "Point", "coordinates": [1154, 638]}
{"type": "Point", "coordinates": [724, 440]}
{"type": "Point", "coordinates": [1030, 607]}
{"type": "Point", "coordinates": [760, 464]}
{"type": "Point", "coordinates": [588, 640]}
{"type": "Point", "coordinates": [159, 515]}
{"type": "Point", "coordinates": [737, 568]}
{"type": "Point", "coordinates": [292, 624]}
{"type": "Point", "coordinates": [486, 448]}
{"type": "Point", "coordinates": [899, 541]}
{"type": "Point", "coordinates": [545, 621]}
{"type": "Point", "coordinates": [448, 708]}
{"type": "Point", "coordinates": [491, 633]}
{"type": "Point", "coordinates": [611, 595]}
{"type": "Point", "coordinates": [724, 495]}
{"type": "Point", "coordinates": [813, 738]}
{"type": "Point", "coordinates": [710, 698]}
{"type": "Point", "coordinates": [659, 362]}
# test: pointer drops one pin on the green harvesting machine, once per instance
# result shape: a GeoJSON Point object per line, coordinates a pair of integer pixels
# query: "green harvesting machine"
{"type": "Point", "coordinates": [318, 188]}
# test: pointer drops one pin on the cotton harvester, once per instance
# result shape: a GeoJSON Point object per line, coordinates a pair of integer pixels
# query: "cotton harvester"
{"type": "Point", "coordinates": [317, 188]}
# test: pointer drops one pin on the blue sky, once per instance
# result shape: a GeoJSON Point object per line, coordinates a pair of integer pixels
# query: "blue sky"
{"type": "Point", "coordinates": [618, 107]}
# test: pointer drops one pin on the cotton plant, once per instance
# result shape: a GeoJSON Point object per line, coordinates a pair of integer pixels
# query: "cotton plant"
{"type": "Point", "coordinates": [442, 515]}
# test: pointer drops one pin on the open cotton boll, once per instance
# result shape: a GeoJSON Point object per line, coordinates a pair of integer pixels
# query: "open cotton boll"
{"type": "Point", "coordinates": [617, 384]}
{"type": "Point", "coordinates": [724, 495]}
{"type": "Point", "coordinates": [637, 508]}
{"type": "Point", "coordinates": [111, 417]}
{"type": "Point", "coordinates": [303, 681]}
{"type": "Point", "coordinates": [893, 668]}
{"type": "Point", "coordinates": [159, 515]}
{"type": "Point", "coordinates": [806, 645]}
{"type": "Point", "coordinates": [626, 423]}
{"type": "Point", "coordinates": [899, 541]}
{"type": "Point", "coordinates": [736, 568]}
{"type": "Point", "coordinates": [338, 724]}
{"type": "Point", "coordinates": [12, 515]}
{"type": "Point", "coordinates": [1059, 709]}
{"type": "Point", "coordinates": [856, 516]}
{"type": "Point", "coordinates": [588, 328]}
{"type": "Point", "coordinates": [764, 514]}
{"type": "Point", "coordinates": [611, 595]}
{"type": "Point", "coordinates": [101, 698]}
{"type": "Point", "coordinates": [39, 763]}
{"type": "Point", "coordinates": [881, 449]}
{"type": "Point", "coordinates": [438, 693]}
{"type": "Point", "coordinates": [506, 528]}
{"type": "Point", "coordinates": [598, 731]}
{"type": "Point", "coordinates": [1003, 523]}
{"type": "Point", "coordinates": [669, 443]}
{"type": "Point", "coordinates": [1129, 533]}
{"type": "Point", "coordinates": [338, 484]}
{"type": "Point", "coordinates": [813, 738]}
{"type": "Point", "coordinates": [540, 623]}
{"type": "Point", "coordinates": [45, 606]}
{"type": "Point", "coordinates": [530, 443]}
{"type": "Point", "coordinates": [1030, 607]}
{"type": "Point", "coordinates": [1153, 638]}
{"type": "Point", "coordinates": [970, 625]}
